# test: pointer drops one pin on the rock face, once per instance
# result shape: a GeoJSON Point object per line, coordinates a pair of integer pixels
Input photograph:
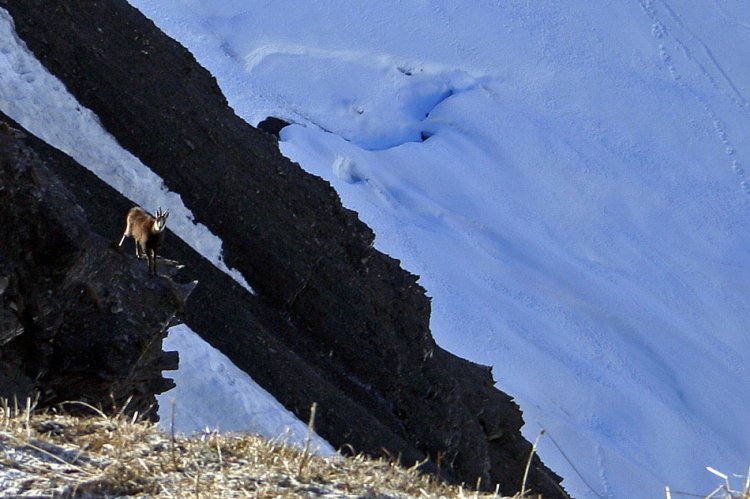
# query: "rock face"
{"type": "Point", "coordinates": [78, 320]}
{"type": "Point", "coordinates": [335, 321]}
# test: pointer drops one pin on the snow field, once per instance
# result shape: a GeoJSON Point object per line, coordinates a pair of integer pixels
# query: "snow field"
{"type": "Point", "coordinates": [229, 399]}
{"type": "Point", "coordinates": [578, 211]}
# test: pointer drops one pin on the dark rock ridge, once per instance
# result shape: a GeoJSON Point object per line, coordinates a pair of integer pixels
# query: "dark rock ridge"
{"type": "Point", "coordinates": [78, 320]}
{"type": "Point", "coordinates": [273, 125]}
{"type": "Point", "coordinates": [253, 334]}
{"type": "Point", "coordinates": [335, 321]}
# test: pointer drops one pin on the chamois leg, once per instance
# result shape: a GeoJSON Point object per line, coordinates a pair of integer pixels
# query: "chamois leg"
{"type": "Point", "coordinates": [151, 262]}
{"type": "Point", "coordinates": [126, 234]}
{"type": "Point", "coordinates": [140, 252]}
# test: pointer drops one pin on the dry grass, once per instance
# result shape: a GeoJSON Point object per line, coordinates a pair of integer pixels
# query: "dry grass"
{"type": "Point", "coordinates": [57, 455]}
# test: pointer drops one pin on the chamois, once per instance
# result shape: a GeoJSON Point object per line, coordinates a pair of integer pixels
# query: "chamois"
{"type": "Point", "coordinates": [148, 233]}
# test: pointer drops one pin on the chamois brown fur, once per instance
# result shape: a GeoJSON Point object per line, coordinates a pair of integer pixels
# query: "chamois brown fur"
{"type": "Point", "coordinates": [148, 232]}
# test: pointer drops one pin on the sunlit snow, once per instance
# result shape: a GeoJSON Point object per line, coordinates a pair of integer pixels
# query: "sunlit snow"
{"type": "Point", "coordinates": [578, 210]}
{"type": "Point", "coordinates": [230, 399]}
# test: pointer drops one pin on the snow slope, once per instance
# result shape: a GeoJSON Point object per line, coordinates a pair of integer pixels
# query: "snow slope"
{"type": "Point", "coordinates": [211, 391]}
{"type": "Point", "coordinates": [578, 211]}
{"type": "Point", "coordinates": [230, 399]}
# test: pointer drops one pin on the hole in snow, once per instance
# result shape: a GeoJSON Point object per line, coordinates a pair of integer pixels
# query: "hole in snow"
{"type": "Point", "coordinates": [365, 100]}
{"type": "Point", "coordinates": [345, 169]}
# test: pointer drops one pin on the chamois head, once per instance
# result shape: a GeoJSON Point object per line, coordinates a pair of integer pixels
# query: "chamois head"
{"type": "Point", "coordinates": [161, 220]}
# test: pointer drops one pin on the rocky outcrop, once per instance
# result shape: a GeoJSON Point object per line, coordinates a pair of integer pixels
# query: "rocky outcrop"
{"type": "Point", "coordinates": [273, 126]}
{"type": "Point", "coordinates": [345, 319]}
{"type": "Point", "coordinates": [78, 320]}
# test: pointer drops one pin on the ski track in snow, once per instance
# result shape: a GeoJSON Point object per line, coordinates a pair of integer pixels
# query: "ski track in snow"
{"type": "Point", "coordinates": [737, 98]}
{"type": "Point", "coordinates": [731, 18]}
{"type": "Point", "coordinates": [661, 34]}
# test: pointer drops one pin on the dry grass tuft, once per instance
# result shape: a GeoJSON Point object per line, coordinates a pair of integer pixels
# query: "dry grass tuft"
{"type": "Point", "coordinates": [44, 453]}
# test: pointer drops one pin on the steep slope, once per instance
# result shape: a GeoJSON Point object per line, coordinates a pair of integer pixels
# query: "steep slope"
{"type": "Point", "coordinates": [577, 211]}
{"type": "Point", "coordinates": [78, 320]}
{"type": "Point", "coordinates": [360, 320]}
